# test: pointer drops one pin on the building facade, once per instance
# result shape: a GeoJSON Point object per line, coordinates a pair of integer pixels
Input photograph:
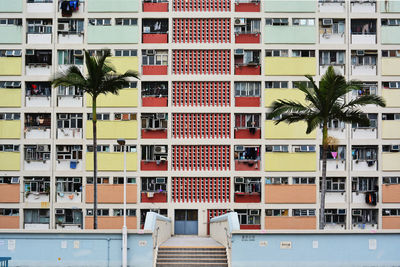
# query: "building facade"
{"type": "Point", "coordinates": [195, 124]}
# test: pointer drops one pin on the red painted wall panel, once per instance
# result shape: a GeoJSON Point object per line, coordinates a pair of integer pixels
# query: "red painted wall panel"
{"type": "Point", "coordinates": [201, 5]}
{"type": "Point", "coordinates": [157, 198]}
{"type": "Point", "coordinates": [201, 62]}
{"type": "Point", "coordinates": [155, 38]}
{"type": "Point", "coordinates": [250, 227]}
{"type": "Point", "coordinates": [155, 7]}
{"type": "Point", "coordinates": [158, 134]}
{"type": "Point", "coordinates": [247, 38]}
{"type": "Point", "coordinates": [247, 166]}
{"type": "Point", "coordinates": [155, 70]}
{"type": "Point", "coordinates": [151, 101]}
{"type": "Point", "coordinates": [201, 30]}
{"type": "Point", "coordinates": [247, 198]}
{"type": "Point", "coordinates": [246, 134]}
{"type": "Point", "coordinates": [247, 70]}
{"type": "Point", "coordinates": [248, 101]}
{"type": "Point", "coordinates": [153, 166]}
{"type": "Point", "coordinates": [247, 7]}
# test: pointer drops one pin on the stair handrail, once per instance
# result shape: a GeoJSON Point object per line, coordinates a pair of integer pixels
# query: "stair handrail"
{"type": "Point", "coordinates": [228, 238]}
{"type": "Point", "coordinates": [155, 247]}
{"type": "Point", "coordinates": [156, 238]}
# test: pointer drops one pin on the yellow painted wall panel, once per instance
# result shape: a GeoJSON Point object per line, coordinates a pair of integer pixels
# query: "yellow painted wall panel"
{"type": "Point", "coordinates": [391, 161]}
{"type": "Point", "coordinates": [123, 64]}
{"type": "Point", "coordinates": [284, 66]}
{"type": "Point", "coordinates": [112, 161]}
{"type": "Point", "coordinates": [391, 66]}
{"type": "Point", "coordinates": [113, 130]}
{"type": "Point", "coordinates": [10, 161]}
{"type": "Point", "coordinates": [10, 129]}
{"type": "Point", "coordinates": [125, 98]}
{"type": "Point", "coordinates": [392, 97]}
{"type": "Point", "coordinates": [391, 130]}
{"type": "Point", "coordinates": [11, 66]}
{"type": "Point", "coordinates": [271, 95]}
{"type": "Point", "coordinates": [300, 161]}
{"type": "Point", "coordinates": [10, 97]}
{"type": "Point", "coordinates": [286, 131]}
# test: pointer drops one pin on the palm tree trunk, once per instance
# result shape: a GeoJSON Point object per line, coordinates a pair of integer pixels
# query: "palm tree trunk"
{"type": "Point", "coordinates": [94, 120]}
{"type": "Point", "coordinates": [323, 183]}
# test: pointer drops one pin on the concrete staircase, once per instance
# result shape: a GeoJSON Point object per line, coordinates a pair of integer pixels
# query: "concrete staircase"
{"type": "Point", "coordinates": [191, 251]}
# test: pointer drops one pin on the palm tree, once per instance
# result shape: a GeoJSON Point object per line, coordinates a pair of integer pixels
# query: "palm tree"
{"type": "Point", "coordinates": [101, 78]}
{"type": "Point", "coordinates": [323, 104]}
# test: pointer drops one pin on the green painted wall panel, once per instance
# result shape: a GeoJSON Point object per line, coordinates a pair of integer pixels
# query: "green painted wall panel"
{"type": "Point", "coordinates": [390, 6]}
{"type": "Point", "coordinates": [10, 5]}
{"type": "Point", "coordinates": [298, 6]}
{"type": "Point", "coordinates": [113, 34]}
{"type": "Point", "coordinates": [11, 34]}
{"type": "Point", "coordinates": [290, 34]}
{"type": "Point", "coordinates": [113, 5]}
{"type": "Point", "coordinates": [390, 35]}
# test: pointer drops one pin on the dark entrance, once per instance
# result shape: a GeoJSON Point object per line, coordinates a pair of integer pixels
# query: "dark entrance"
{"type": "Point", "coordinates": [186, 222]}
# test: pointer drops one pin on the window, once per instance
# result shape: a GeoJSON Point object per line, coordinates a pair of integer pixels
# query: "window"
{"type": "Point", "coordinates": [364, 184]}
{"type": "Point", "coordinates": [247, 26]}
{"type": "Point", "coordinates": [364, 153]}
{"type": "Point", "coordinates": [303, 212]}
{"type": "Point", "coordinates": [276, 53]}
{"type": "Point", "coordinates": [10, 116]}
{"type": "Point", "coordinates": [37, 216]}
{"type": "Point", "coordinates": [10, 53]}
{"type": "Point", "coordinates": [69, 152]}
{"type": "Point", "coordinates": [100, 180]}
{"type": "Point", "coordinates": [100, 212]}
{"type": "Point", "coordinates": [38, 57]}
{"type": "Point", "coordinates": [391, 180]}
{"type": "Point", "coordinates": [251, 89]}
{"type": "Point", "coordinates": [70, 57]}
{"type": "Point", "coordinates": [10, 84]}
{"type": "Point", "coordinates": [125, 116]}
{"type": "Point", "coordinates": [100, 22]}
{"type": "Point", "coordinates": [334, 184]}
{"type": "Point", "coordinates": [335, 216]}
{"type": "Point", "coordinates": [391, 116]}
{"type": "Point", "coordinates": [390, 53]}
{"type": "Point", "coordinates": [391, 212]}
{"type": "Point", "coordinates": [306, 84]}
{"type": "Point", "coordinates": [277, 148]}
{"type": "Point", "coordinates": [9, 148]}
{"type": "Point", "coordinates": [154, 89]}
{"type": "Point", "coordinates": [97, 53]}
{"type": "Point", "coordinates": [276, 180]}
{"type": "Point", "coordinates": [70, 26]}
{"type": "Point", "coordinates": [69, 91]}
{"type": "Point", "coordinates": [304, 22]}
{"type": "Point", "coordinates": [246, 121]}
{"type": "Point", "coordinates": [276, 85]}
{"type": "Point", "coordinates": [277, 21]}
{"type": "Point", "coordinates": [373, 122]}
{"type": "Point", "coordinates": [363, 58]}
{"type": "Point", "coordinates": [9, 212]}
{"type": "Point", "coordinates": [37, 152]}
{"type": "Point", "coordinates": [303, 180]}
{"type": "Point", "coordinates": [335, 124]}
{"type": "Point", "coordinates": [38, 89]}
{"type": "Point", "coordinates": [247, 185]}
{"type": "Point", "coordinates": [276, 212]}
{"type": "Point", "coordinates": [363, 26]}
{"type": "Point", "coordinates": [332, 58]}
{"type": "Point", "coordinates": [69, 184]}
{"type": "Point", "coordinates": [17, 22]}
{"type": "Point", "coordinates": [304, 53]}
{"type": "Point", "coordinates": [334, 153]}
{"type": "Point", "coordinates": [155, 57]}
{"type": "Point", "coordinates": [154, 184]}
{"type": "Point", "coordinates": [304, 148]}
{"type": "Point", "coordinates": [157, 121]}
{"type": "Point", "coordinates": [130, 148]}
{"type": "Point", "coordinates": [366, 88]}
{"type": "Point", "coordinates": [37, 185]}
{"type": "Point", "coordinates": [248, 57]}
{"type": "Point", "coordinates": [100, 116]}
{"type": "Point", "coordinates": [100, 148]}
{"type": "Point", "coordinates": [126, 22]}
{"type": "Point", "coordinates": [69, 120]}
{"type": "Point", "coordinates": [9, 180]}
{"type": "Point", "coordinates": [156, 153]}
{"type": "Point", "coordinates": [120, 212]}
{"type": "Point", "coordinates": [390, 22]}
{"type": "Point", "coordinates": [120, 180]}
{"type": "Point", "coordinates": [368, 216]}
{"type": "Point", "coordinates": [39, 26]}
{"type": "Point", "coordinates": [391, 85]}
{"type": "Point", "coordinates": [247, 153]}
{"type": "Point", "coordinates": [155, 26]}
{"type": "Point", "coordinates": [249, 217]}
{"type": "Point", "coordinates": [126, 53]}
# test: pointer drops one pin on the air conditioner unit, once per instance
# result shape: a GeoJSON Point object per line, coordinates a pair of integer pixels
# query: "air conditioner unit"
{"type": "Point", "coordinates": [254, 212]}
{"type": "Point", "coordinates": [360, 52]}
{"type": "Point", "coordinates": [327, 22]}
{"type": "Point", "coordinates": [15, 180]}
{"type": "Point", "coordinates": [41, 148]}
{"type": "Point", "coordinates": [239, 148]}
{"type": "Point", "coordinates": [161, 116]}
{"type": "Point", "coordinates": [395, 147]}
{"type": "Point", "coordinates": [63, 27]}
{"type": "Point", "coordinates": [78, 53]}
{"type": "Point", "coordinates": [356, 213]}
{"type": "Point", "coordinates": [239, 180]}
{"type": "Point", "coordinates": [59, 212]}
{"type": "Point", "coordinates": [239, 52]}
{"type": "Point", "coordinates": [163, 158]}
{"type": "Point", "coordinates": [150, 52]}
{"type": "Point", "coordinates": [89, 212]}
{"type": "Point", "coordinates": [160, 180]}
{"type": "Point", "coordinates": [160, 149]}
{"type": "Point", "coordinates": [240, 21]}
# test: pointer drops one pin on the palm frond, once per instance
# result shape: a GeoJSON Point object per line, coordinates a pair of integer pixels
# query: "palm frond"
{"type": "Point", "coordinates": [365, 100]}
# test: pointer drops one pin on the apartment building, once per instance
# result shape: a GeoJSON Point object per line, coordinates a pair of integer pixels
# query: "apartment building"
{"type": "Point", "coordinates": [198, 142]}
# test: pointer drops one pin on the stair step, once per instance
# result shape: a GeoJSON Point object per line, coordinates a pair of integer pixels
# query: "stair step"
{"type": "Point", "coordinates": [165, 264]}
{"type": "Point", "coordinates": [201, 252]}
{"type": "Point", "coordinates": [192, 260]}
{"type": "Point", "coordinates": [191, 256]}
{"type": "Point", "coordinates": [192, 248]}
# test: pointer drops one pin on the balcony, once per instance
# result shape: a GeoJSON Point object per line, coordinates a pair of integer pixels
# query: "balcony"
{"type": "Point", "coordinates": [363, 31]}
{"type": "Point", "coordinates": [364, 165]}
{"type": "Point", "coordinates": [109, 161]}
{"type": "Point", "coordinates": [71, 8]}
{"type": "Point", "coordinates": [247, 190]}
{"type": "Point", "coordinates": [127, 97]}
{"type": "Point", "coordinates": [10, 161]}
{"type": "Point", "coordinates": [69, 165]}
{"type": "Point", "coordinates": [37, 126]}
{"type": "Point", "coordinates": [290, 66]}
{"type": "Point", "coordinates": [390, 66]}
{"type": "Point", "coordinates": [248, 133]}
{"type": "Point", "coordinates": [364, 133]}
{"type": "Point", "coordinates": [70, 101]}
{"type": "Point", "coordinates": [10, 129]}
{"type": "Point", "coordinates": [290, 162]}
{"type": "Point", "coordinates": [287, 131]}
{"type": "Point", "coordinates": [14, 66]}
{"type": "Point", "coordinates": [290, 223]}
{"type": "Point", "coordinates": [331, 7]}
{"type": "Point", "coordinates": [36, 197]}
{"type": "Point", "coordinates": [114, 34]}
{"type": "Point", "coordinates": [111, 222]}
{"type": "Point", "coordinates": [114, 6]}
{"type": "Point", "coordinates": [154, 165]}
{"type": "Point", "coordinates": [391, 129]}
{"type": "Point", "coordinates": [155, 31]}
{"type": "Point", "coordinates": [69, 197]}
{"type": "Point", "coordinates": [9, 222]}
{"type": "Point", "coordinates": [363, 6]}
{"type": "Point", "coordinates": [285, 6]}
{"type": "Point", "coordinates": [363, 70]}
{"type": "Point", "coordinates": [70, 31]}
{"type": "Point", "coordinates": [9, 193]}
{"type": "Point", "coordinates": [123, 64]}
{"type": "Point", "coordinates": [37, 165]}
{"type": "Point", "coordinates": [41, 7]}
{"type": "Point", "coordinates": [113, 130]}
{"type": "Point", "coordinates": [155, 6]}
{"type": "Point", "coordinates": [334, 165]}
{"type": "Point", "coordinates": [273, 94]}
{"type": "Point", "coordinates": [155, 69]}
{"type": "Point", "coordinates": [294, 194]}
{"type": "Point", "coordinates": [69, 133]}
{"type": "Point", "coordinates": [154, 197]}
{"type": "Point", "coordinates": [247, 6]}
{"type": "Point", "coordinates": [11, 34]}
{"type": "Point", "coordinates": [10, 7]}
{"type": "Point", "coordinates": [390, 161]}
{"type": "Point", "coordinates": [10, 98]}
{"type": "Point", "coordinates": [38, 62]}
{"type": "Point", "coordinates": [289, 34]}
{"type": "Point", "coordinates": [112, 193]}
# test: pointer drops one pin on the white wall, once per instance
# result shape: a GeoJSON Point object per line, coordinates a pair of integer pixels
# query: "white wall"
{"type": "Point", "coordinates": [363, 166]}
{"type": "Point", "coordinates": [38, 70]}
{"type": "Point", "coordinates": [40, 7]}
{"type": "Point", "coordinates": [363, 38]}
{"type": "Point", "coordinates": [64, 165]}
{"type": "Point", "coordinates": [69, 101]}
{"type": "Point", "coordinates": [338, 69]}
{"type": "Point", "coordinates": [331, 7]}
{"type": "Point", "coordinates": [363, 8]}
{"type": "Point", "coordinates": [37, 101]}
{"type": "Point", "coordinates": [69, 197]}
{"type": "Point", "coordinates": [70, 38]}
{"type": "Point", "coordinates": [367, 133]}
{"type": "Point", "coordinates": [331, 39]}
{"type": "Point", "coordinates": [69, 133]}
{"type": "Point", "coordinates": [335, 197]}
{"type": "Point", "coordinates": [38, 134]}
{"type": "Point", "coordinates": [37, 165]}
{"type": "Point", "coordinates": [37, 197]}
{"type": "Point", "coordinates": [34, 38]}
{"type": "Point", "coordinates": [36, 226]}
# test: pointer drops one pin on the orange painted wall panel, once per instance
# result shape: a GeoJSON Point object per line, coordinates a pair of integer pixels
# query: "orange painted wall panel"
{"type": "Point", "coordinates": [9, 193]}
{"type": "Point", "coordinates": [112, 193]}
{"type": "Point", "coordinates": [290, 194]}
{"type": "Point", "coordinates": [391, 222]}
{"type": "Point", "coordinates": [111, 222]}
{"type": "Point", "coordinates": [290, 223]}
{"type": "Point", "coordinates": [391, 193]}
{"type": "Point", "coordinates": [9, 222]}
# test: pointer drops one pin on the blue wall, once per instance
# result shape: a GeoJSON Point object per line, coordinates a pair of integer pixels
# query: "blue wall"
{"type": "Point", "coordinates": [46, 249]}
{"type": "Point", "coordinates": [333, 250]}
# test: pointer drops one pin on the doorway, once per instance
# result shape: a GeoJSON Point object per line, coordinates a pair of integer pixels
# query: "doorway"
{"type": "Point", "coordinates": [186, 222]}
